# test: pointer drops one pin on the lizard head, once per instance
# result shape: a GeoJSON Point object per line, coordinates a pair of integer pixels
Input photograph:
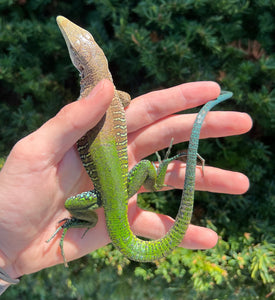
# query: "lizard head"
{"type": "Point", "coordinates": [81, 44]}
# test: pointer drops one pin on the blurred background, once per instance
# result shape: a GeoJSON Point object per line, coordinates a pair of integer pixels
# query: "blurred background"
{"type": "Point", "coordinates": [153, 45]}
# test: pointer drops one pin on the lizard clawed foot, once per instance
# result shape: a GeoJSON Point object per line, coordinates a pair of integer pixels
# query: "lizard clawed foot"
{"type": "Point", "coordinates": [69, 223]}
{"type": "Point", "coordinates": [166, 159]}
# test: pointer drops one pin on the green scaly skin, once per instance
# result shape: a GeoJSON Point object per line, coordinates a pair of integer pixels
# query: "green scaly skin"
{"type": "Point", "coordinates": [103, 151]}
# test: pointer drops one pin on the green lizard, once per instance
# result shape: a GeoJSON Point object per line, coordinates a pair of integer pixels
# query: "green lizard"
{"type": "Point", "coordinates": [103, 152]}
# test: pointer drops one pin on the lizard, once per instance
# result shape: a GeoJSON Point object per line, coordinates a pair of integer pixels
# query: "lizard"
{"type": "Point", "coordinates": [103, 152]}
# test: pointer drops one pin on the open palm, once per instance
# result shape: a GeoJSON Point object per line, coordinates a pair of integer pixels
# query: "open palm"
{"type": "Point", "coordinates": [43, 169]}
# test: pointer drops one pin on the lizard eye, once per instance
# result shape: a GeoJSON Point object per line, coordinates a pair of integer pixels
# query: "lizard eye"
{"type": "Point", "coordinates": [81, 71]}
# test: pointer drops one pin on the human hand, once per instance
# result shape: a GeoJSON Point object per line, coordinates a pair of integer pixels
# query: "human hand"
{"type": "Point", "coordinates": [44, 169]}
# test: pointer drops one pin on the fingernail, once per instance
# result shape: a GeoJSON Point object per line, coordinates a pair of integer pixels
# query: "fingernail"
{"type": "Point", "coordinates": [96, 89]}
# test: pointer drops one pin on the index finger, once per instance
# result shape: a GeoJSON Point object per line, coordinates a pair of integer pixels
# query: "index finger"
{"type": "Point", "coordinates": [148, 108]}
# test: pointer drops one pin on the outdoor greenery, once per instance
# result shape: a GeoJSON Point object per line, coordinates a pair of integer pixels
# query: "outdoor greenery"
{"type": "Point", "coordinates": [150, 45]}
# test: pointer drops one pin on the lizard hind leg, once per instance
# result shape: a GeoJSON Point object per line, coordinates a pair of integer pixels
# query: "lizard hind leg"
{"type": "Point", "coordinates": [82, 208]}
{"type": "Point", "coordinates": [147, 174]}
{"type": "Point", "coordinates": [71, 223]}
{"type": "Point", "coordinates": [74, 223]}
{"type": "Point", "coordinates": [163, 164]}
{"type": "Point", "coordinates": [179, 155]}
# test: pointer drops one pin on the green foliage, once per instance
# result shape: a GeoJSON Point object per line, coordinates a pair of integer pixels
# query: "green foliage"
{"type": "Point", "coordinates": [150, 45]}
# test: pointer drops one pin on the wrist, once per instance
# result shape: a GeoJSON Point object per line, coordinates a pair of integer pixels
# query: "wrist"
{"type": "Point", "coordinates": [5, 277]}
{"type": "Point", "coordinates": [7, 271]}
{"type": "Point", "coordinates": [6, 280]}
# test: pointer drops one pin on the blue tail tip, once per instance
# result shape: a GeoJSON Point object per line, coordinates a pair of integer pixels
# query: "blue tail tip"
{"type": "Point", "coordinates": [225, 95]}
